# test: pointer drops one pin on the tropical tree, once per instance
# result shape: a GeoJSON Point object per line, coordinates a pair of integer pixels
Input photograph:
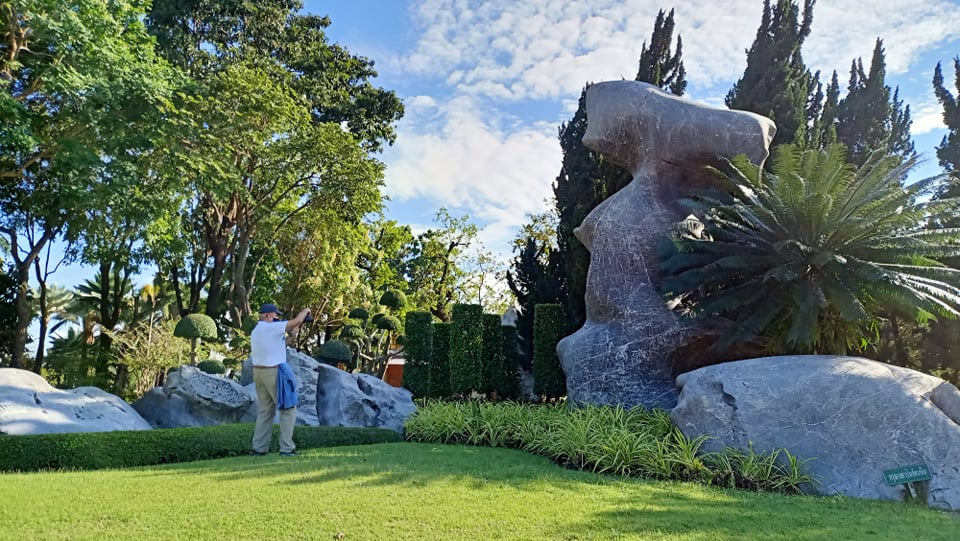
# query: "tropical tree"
{"type": "Point", "coordinates": [435, 271]}
{"type": "Point", "coordinates": [810, 256]}
{"type": "Point", "coordinates": [77, 77]}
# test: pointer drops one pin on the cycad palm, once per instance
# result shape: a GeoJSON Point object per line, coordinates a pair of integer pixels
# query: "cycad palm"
{"type": "Point", "coordinates": [812, 254]}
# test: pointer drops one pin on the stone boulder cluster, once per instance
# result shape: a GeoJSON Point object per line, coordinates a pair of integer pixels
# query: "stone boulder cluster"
{"type": "Point", "coordinates": [190, 397]}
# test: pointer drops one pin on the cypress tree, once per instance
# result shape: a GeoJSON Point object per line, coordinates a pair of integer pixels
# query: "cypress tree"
{"type": "Point", "coordinates": [536, 278]}
{"type": "Point", "coordinates": [868, 117]}
{"type": "Point", "coordinates": [948, 152]}
{"type": "Point", "coordinates": [776, 83]}
{"type": "Point", "coordinates": [658, 65]}
{"type": "Point", "coordinates": [824, 130]}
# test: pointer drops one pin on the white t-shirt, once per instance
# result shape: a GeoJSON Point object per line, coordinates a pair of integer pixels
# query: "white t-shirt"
{"type": "Point", "coordinates": [268, 343]}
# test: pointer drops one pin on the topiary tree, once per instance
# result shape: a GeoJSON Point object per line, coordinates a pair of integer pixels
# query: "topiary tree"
{"type": "Point", "coordinates": [466, 348]}
{"type": "Point", "coordinates": [195, 327]}
{"type": "Point", "coordinates": [511, 364]}
{"type": "Point", "coordinates": [211, 366]}
{"type": "Point", "coordinates": [358, 313]}
{"type": "Point", "coordinates": [548, 378]}
{"type": "Point", "coordinates": [439, 386]}
{"type": "Point", "coordinates": [493, 376]}
{"type": "Point", "coordinates": [394, 299]}
{"type": "Point", "coordinates": [418, 345]}
{"type": "Point", "coordinates": [334, 352]}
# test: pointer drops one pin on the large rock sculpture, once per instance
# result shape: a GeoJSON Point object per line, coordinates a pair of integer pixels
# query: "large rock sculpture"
{"type": "Point", "coordinates": [621, 354]}
{"type": "Point", "coordinates": [30, 405]}
{"type": "Point", "coordinates": [852, 417]}
{"type": "Point", "coordinates": [191, 397]}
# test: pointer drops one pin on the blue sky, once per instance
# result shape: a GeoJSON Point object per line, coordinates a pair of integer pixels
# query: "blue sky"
{"type": "Point", "coordinates": [486, 84]}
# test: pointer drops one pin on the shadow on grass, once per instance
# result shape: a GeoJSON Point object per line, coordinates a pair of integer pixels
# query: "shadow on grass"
{"type": "Point", "coordinates": [630, 508]}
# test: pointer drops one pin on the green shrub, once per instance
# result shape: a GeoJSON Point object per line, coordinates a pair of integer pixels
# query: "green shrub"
{"type": "Point", "coordinates": [359, 314]}
{"type": "Point", "coordinates": [195, 327]}
{"type": "Point", "coordinates": [333, 352]}
{"type": "Point", "coordinates": [466, 348]}
{"type": "Point", "coordinates": [613, 440]}
{"type": "Point", "coordinates": [494, 380]}
{"type": "Point", "coordinates": [511, 364]}
{"type": "Point", "coordinates": [211, 367]}
{"type": "Point", "coordinates": [418, 345]}
{"type": "Point", "coordinates": [393, 299]}
{"type": "Point", "coordinates": [120, 449]}
{"type": "Point", "coordinates": [548, 377]}
{"type": "Point", "coordinates": [439, 373]}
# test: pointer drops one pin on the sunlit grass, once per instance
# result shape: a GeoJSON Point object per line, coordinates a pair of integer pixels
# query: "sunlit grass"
{"type": "Point", "coordinates": [408, 491]}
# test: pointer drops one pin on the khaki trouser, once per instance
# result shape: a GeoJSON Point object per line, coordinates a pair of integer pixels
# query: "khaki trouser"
{"type": "Point", "coordinates": [265, 380]}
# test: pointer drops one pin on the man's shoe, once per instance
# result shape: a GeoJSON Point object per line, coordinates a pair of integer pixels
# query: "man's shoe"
{"type": "Point", "coordinates": [291, 453]}
{"type": "Point", "coordinates": [257, 453]}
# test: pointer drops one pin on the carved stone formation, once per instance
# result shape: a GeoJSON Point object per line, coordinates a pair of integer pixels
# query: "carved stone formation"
{"type": "Point", "coordinates": [621, 354]}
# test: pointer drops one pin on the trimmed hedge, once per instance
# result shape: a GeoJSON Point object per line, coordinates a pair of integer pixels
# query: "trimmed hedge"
{"type": "Point", "coordinates": [439, 386]}
{"type": "Point", "coordinates": [511, 363]}
{"type": "Point", "coordinates": [494, 380]}
{"type": "Point", "coordinates": [466, 348]}
{"type": "Point", "coordinates": [418, 345]}
{"type": "Point", "coordinates": [121, 449]}
{"type": "Point", "coordinates": [548, 377]}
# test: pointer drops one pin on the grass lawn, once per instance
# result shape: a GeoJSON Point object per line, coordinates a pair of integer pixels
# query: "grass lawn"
{"type": "Point", "coordinates": [409, 491]}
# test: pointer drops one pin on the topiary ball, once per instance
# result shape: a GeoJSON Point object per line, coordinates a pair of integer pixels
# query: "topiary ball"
{"type": "Point", "coordinates": [211, 367]}
{"type": "Point", "coordinates": [393, 299]}
{"type": "Point", "coordinates": [334, 351]}
{"type": "Point", "coordinates": [196, 326]}
{"type": "Point", "coordinates": [359, 313]}
{"type": "Point", "coordinates": [389, 323]}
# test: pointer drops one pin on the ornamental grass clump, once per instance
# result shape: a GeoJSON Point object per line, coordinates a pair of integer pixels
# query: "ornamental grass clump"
{"type": "Point", "coordinates": [612, 440]}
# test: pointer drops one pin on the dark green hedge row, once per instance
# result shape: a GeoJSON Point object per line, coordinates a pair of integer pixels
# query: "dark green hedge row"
{"type": "Point", "coordinates": [440, 362]}
{"type": "Point", "coordinates": [119, 449]}
{"type": "Point", "coordinates": [418, 344]}
{"type": "Point", "coordinates": [466, 348]}
{"type": "Point", "coordinates": [548, 325]}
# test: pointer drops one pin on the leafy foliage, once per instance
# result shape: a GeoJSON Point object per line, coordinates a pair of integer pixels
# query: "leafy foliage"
{"type": "Point", "coordinates": [659, 65]}
{"type": "Point", "coordinates": [548, 377]}
{"type": "Point", "coordinates": [614, 440]}
{"type": "Point", "coordinates": [948, 152]}
{"type": "Point", "coordinates": [122, 449]}
{"type": "Point", "coordinates": [418, 346]}
{"type": "Point", "coordinates": [809, 256]}
{"type": "Point", "coordinates": [466, 349]}
{"type": "Point", "coordinates": [439, 385]}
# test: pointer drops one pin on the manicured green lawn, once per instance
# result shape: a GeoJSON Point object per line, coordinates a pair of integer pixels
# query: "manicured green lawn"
{"type": "Point", "coordinates": [409, 491]}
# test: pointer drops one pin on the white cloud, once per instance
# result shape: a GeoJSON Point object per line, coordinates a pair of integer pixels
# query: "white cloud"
{"type": "Point", "coordinates": [475, 146]}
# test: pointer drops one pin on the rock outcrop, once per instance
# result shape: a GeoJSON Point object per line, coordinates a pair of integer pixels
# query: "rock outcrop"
{"type": "Point", "coordinates": [327, 396]}
{"type": "Point", "coordinates": [853, 417]}
{"type": "Point", "coordinates": [621, 354]}
{"type": "Point", "coordinates": [30, 405]}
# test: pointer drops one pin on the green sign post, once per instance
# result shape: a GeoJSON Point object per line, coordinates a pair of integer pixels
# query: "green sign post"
{"type": "Point", "coordinates": [907, 474]}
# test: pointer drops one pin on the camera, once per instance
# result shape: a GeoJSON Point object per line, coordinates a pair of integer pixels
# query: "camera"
{"type": "Point", "coordinates": [308, 318]}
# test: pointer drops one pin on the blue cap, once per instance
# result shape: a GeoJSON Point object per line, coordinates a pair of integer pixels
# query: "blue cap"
{"type": "Point", "coordinates": [269, 307]}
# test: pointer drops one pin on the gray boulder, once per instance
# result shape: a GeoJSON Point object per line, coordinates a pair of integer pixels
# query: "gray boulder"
{"type": "Point", "coordinates": [621, 354]}
{"type": "Point", "coordinates": [360, 400]}
{"type": "Point", "coordinates": [853, 417]}
{"type": "Point", "coordinates": [30, 405]}
{"type": "Point", "coordinates": [191, 397]}
{"type": "Point", "coordinates": [327, 396]}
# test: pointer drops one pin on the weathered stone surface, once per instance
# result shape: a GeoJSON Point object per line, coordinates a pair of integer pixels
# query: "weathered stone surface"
{"type": "Point", "coordinates": [327, 396]}
{"type": "Point", "coordinates": [620, 355]}
{"type": "Point", "coordinates": [30, 405]}
{"type": "Point", "coordinates": [854, 417]}
{"type": "Point", "coordinates": [361, 400]}
{"type": "Point", "coordinates": [191, 397]}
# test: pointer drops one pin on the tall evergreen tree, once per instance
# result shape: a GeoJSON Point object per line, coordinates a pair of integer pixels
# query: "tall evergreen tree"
{"type": "Point", "coordinates": [776, 83]}
{"type": "Point", "coordinates": [823, 131]}
{"type": "Point", "coordinates": [868, 117]}
{"type": "Point", "coordinates": [536, 278]}
{"type": "Point", "coordinates": [658, 65]}
{"type": "Point", "coordinates": [948, 152]}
